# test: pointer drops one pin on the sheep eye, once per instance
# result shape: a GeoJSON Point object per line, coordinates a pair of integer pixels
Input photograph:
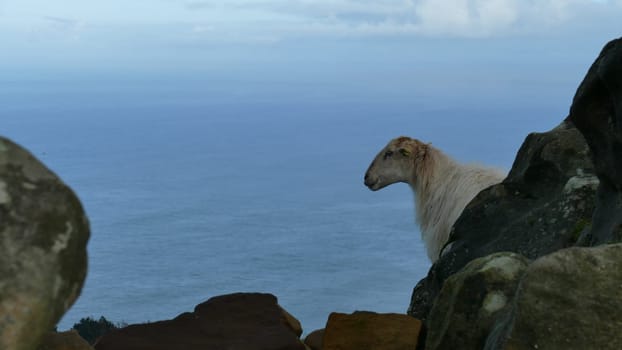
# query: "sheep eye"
{"type": "Point", "coordinates": [388, 154]}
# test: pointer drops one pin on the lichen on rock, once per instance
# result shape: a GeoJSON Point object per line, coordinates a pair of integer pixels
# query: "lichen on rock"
{"type": "Point", "coordinates": [467, 306]}
{"type": "Point", "coordinates": [570, 299]}
{"type": "Point", "coordinates": [43, 237]}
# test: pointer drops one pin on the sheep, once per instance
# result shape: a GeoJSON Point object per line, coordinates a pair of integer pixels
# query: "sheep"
{"type": "Point", "coordinates": [442, 187]}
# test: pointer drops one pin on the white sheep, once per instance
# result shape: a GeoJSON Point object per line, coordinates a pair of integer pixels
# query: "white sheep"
{"type": "Point", "coordinates": [442, 187]}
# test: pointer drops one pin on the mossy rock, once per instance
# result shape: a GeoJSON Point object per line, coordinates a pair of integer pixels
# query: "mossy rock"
{"type": "Point", "coordinates": [43, 237]}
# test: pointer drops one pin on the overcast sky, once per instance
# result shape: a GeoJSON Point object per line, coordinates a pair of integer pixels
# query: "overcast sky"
{"type": "Point", "coordinates": [74, 28]}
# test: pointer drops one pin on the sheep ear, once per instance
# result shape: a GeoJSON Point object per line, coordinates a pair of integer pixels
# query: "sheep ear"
{"type": "Point", "coordinates": [404, 152]}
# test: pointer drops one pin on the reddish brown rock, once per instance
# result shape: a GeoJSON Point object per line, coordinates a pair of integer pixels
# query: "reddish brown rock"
{"type": "Point", "coordinates": [69, 340]}
{"type": "Point", "coordinates": [371, 331]}
{"type": "Point", "coordinates": [314, 339]}
{"type": "Point", "coordinates": [292, 322]}
{"type": "Point", "coordinates": [243, 321]}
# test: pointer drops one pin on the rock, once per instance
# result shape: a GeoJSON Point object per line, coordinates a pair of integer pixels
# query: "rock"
{"type": "Point", "coordinates": [471, 300]}
{"type": "Point", "coordinates": [292, 322]}
{"type": "Point", "coordinates": [43, 237]}
{"type": "Point", "coordinates": [597, 112]}
{"type": "Point", "coordinates": [315, 339]}
{"type": "Point", "coordinates": [371, 331]}
{"type": "Point", "coordinates": [242, 321]}
{"type": "Point", "coordinates": [69, 340]}
{"type": "Point", "coordinates": [568, 300]}
{"type": "Point", "coordinates": [553, 198]}
{"type": "Point", "coordinates": [542, 206]}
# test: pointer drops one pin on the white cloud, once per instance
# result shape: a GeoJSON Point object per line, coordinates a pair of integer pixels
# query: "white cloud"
{"type": "Point", "coordinates": [166, 23]}
{"type": "Point", "coordinates": [63, 24]}
{"type": "Point", "coordinates": [458, 18]}
{"type": "Point", "coordinates": [483, 18]}
{"type": "Point", "coordinates": [48, 29]}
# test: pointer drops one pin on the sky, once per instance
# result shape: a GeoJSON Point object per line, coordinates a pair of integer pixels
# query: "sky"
{"type": "Point", "coordinates": [157, 33]}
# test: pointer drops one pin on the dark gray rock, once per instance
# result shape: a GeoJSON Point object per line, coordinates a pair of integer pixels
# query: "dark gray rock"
{"type": "Point", "coordinates": [597, 112]}
{"type": "Point", "coordinates": [43, 237]}
{"type": "Point", "coordinates": [553, 198]}
{"type": "Point", "coordinates": [472, 299]}
{"type": "Point", "coordinates": [570, 299]}
{"type": "Point", "coordinates": [241, 321]}
{"type": "Point", "coordinates": [542, 206]}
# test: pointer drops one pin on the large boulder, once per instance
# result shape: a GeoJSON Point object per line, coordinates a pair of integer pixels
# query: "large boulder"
{"type": "Point", "coordinates": [542, 206]}
{"type": "Point", "coordinates": [553, 198]}
{"type": "Point", "coordinates": [43, 237]}
{"type": "Point", "coordinates": [315, 339]}
{"type": "Point", "coordinates": [242, 321]}
{"type": "Point", "coordinates": [369, 330]}
{"type": "Point", "coordinates": [571, 299]}
{"type": "Point", "coordinates": [597, 112]}
{"type": "Point", "coordinates": [472, 299]}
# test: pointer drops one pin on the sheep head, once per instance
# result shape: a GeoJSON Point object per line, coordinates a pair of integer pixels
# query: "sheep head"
{"type": "Point", "coordinates": [396, 162]}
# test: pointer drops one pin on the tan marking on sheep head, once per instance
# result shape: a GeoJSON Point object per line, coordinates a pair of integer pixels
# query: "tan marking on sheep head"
{"type": "Point", "coordinates": [395, 163]}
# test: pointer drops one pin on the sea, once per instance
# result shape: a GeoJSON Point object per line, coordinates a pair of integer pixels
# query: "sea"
{"type": "Point", "coordinates": [203, 184]}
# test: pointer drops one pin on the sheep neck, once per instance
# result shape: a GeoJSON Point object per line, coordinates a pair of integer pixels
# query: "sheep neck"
{"type": "Point", "coordinates": [431, 182]}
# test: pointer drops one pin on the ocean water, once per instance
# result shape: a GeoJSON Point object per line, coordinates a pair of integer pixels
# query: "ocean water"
{"type": "Point", "coordinates": [201, 186]}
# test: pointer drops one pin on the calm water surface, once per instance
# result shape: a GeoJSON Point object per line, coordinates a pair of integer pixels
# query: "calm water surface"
{"type": "Point", "coordinates": [201, 187]}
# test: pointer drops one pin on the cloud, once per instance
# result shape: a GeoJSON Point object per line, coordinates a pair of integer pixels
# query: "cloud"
{"type": "Point", "coordinates": [485, 18]}
{"type": "Point", "coordinates": [197, 5]}
{"type": "Point", "coordinates": [466, 17]}
{"type": "Point", "coordinates": [455, 18]}
{"type": "Point", "coordinates": [56, 29]}
{"type": "Point", "coordinates": [63, 23]}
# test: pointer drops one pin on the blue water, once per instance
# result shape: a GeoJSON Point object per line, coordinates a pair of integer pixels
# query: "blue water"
{"type": "Point", "coordinates": [197, 186]}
